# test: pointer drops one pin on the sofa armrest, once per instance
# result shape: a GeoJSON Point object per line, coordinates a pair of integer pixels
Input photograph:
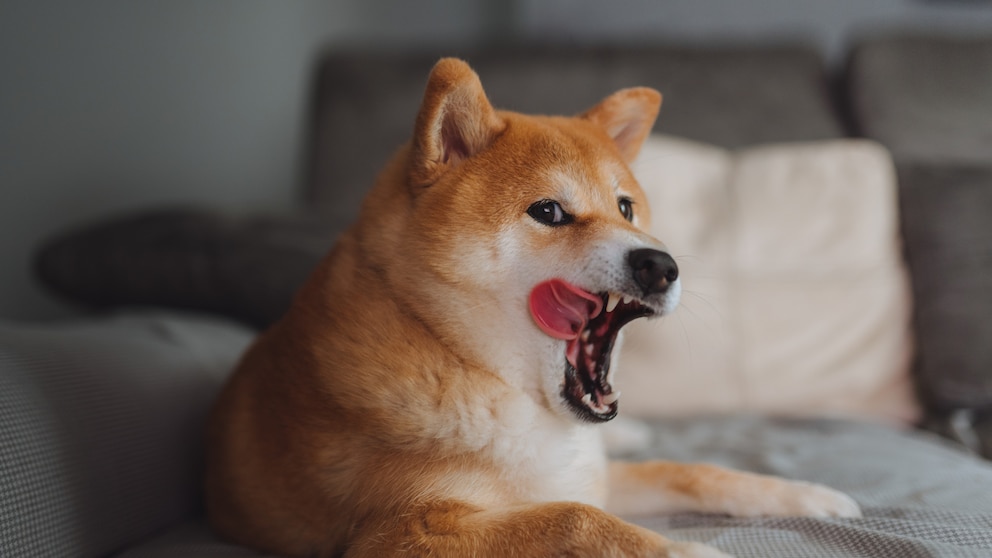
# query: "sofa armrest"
{"type": "Point", "coordinates": [100, 427]}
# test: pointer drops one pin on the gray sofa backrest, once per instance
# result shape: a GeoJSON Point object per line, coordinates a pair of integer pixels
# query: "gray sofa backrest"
{"type": "Point", "coordinates": [364, 103]}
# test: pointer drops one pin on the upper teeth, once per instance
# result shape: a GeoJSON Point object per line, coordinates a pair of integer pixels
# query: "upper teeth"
{"type": "Point", "coordinates": [612, 302]}
{"type": "Point", "coordinates": [610, 398]}
{"type": "Point", "coordinates": [627, 299]}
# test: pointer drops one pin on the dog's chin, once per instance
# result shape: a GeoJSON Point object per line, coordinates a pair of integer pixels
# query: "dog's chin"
{"type": "Point", "coordinates": [587, 391]}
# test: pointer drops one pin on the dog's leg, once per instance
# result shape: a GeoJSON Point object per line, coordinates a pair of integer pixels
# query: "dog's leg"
{"type": "Point", "coordinates": [536, 530]}
{"type": "Point", "coordinates": [666, 487]}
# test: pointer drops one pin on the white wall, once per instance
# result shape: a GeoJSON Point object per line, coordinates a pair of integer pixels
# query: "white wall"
{"type": "Point", "coordinates": [108, 106]}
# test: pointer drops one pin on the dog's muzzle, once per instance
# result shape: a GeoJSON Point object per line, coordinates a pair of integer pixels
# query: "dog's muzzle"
{"type": "Point", "coordinates": [589, 323]}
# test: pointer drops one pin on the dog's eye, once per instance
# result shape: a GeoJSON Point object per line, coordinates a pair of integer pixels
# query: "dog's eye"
{"type": "Point", "coordinates": [550, 213]}
{"type": "Point", "coordinates": [626, 208]}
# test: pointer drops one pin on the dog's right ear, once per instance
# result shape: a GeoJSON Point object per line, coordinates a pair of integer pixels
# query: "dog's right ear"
{"type": "Point", "coordinates": [455, 122]}
{"type": "Point", "coordinates": [627, 116]}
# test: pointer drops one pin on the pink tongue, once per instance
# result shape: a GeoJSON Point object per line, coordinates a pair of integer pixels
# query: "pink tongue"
{"type": "Point", "coordinates": [561, 309]}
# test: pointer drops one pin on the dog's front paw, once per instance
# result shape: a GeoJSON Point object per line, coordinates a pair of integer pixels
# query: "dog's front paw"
{"type": "Point", "coordinates": [695, 550]}
{"type": "Point", "coordinates": [811, 500]}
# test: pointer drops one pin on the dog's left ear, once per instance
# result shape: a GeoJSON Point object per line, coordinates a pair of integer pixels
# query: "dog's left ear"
{"type": "Point", "coordinates": [455, 122]}
{"type": "Point", "coordinates": [627, 116]}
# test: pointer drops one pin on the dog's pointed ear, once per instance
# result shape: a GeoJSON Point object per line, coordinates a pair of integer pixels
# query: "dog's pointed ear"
{"type": "Point", "coordinates": [455, 122]}
{"type": "Point", "coordinates": [627, 116]}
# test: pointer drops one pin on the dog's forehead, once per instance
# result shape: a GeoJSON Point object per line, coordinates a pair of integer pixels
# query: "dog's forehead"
{"type": "Point", "coordinates": [573, 164]}
{"type": "Point", "coordinates": [584, 187]}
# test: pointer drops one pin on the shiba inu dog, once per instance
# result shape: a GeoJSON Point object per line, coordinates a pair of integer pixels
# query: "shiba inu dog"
{"type": "Point", "coordinates": [436, 387]}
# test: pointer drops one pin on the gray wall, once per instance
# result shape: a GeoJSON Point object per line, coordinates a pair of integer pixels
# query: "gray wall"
{"type": "Point", "coordinates": [110, 106]}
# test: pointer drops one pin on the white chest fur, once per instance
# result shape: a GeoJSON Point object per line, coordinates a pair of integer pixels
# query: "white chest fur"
{"type": "Point", "coordinates": [531, 455]}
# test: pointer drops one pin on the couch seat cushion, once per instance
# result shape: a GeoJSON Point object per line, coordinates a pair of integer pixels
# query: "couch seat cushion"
{"type": "Point", "coordinates": [921, 496]}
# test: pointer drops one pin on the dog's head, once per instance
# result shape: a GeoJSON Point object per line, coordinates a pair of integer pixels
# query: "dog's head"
{"type": "Point", "coordinates": [519, 240]}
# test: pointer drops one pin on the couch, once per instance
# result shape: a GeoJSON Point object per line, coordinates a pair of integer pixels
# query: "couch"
{"type": "Point", "coordinates": [100, 438]}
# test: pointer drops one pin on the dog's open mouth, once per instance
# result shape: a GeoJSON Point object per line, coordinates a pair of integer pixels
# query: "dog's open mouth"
{"type": "Point", "coordinates": [589, 323]}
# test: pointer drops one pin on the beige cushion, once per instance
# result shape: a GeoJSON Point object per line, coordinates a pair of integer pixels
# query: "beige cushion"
{"type": "Point", "coordinates": [796, 299]}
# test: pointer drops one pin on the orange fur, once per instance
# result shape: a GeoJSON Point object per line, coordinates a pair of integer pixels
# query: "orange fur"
{"type": "Point", "coordinates": [402, 405]}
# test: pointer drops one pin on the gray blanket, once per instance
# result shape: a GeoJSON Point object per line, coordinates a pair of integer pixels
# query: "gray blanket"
{"type": "Point", "coordinates": [921, 496]}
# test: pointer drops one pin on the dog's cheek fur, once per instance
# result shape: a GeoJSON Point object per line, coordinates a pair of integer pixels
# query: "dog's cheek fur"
{"type": "Point", "coordinates": [472, 248]}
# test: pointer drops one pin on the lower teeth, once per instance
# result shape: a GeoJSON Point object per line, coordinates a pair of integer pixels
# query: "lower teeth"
{"type": "Point", "coordinates": [604, 400]}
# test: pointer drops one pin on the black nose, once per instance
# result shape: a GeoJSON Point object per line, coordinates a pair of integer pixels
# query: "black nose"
{"type": "Point", "coordinates": [653, 270]}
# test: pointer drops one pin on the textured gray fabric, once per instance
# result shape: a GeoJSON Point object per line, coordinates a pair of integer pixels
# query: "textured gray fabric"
{"type": "Point", "coordinates": [365, 103]}
{"type": "Point", "coordinates": [946, 214]}
{"type": "Point", "coordinates": [246, 268]}
{"type": "Point", "coordinates": [929, 99]}
{"type": "Point", "coordinates": [983, 433]}
{"type": "Point", "coordinates": [921, 496]}
{"type": "Point", "coordinates": [192, 539]}
{"type": "Point", "coordinates": [99, 428]}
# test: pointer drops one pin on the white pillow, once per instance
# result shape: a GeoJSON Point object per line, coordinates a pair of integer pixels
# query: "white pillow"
{"type": "Point", "coordinates": [795, 300]}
